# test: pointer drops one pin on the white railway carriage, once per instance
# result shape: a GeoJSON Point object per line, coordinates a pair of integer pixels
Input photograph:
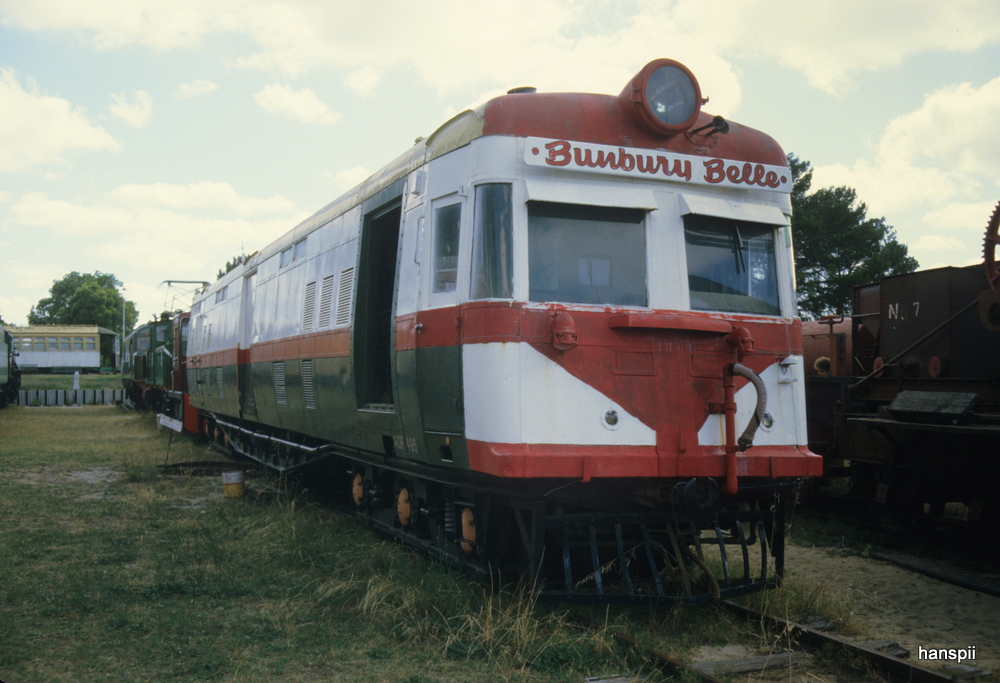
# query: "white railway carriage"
{"type": "Point", "coordinates": [547, 317]}
{"type": "Point", "coordinates": [60, 348]}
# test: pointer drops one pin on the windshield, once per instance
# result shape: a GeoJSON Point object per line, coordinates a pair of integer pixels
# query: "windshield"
{"type": "Point", "coordinates": [731, 265]}
{"type": "Point", "coordinates": [586, 254]}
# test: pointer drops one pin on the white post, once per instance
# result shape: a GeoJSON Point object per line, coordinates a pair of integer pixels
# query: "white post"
{"type": "Point", "coordinates": [121, 346]}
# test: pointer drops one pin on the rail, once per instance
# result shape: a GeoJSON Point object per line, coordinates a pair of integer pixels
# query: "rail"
{"type": "Point", "coordinates": [892, 667]}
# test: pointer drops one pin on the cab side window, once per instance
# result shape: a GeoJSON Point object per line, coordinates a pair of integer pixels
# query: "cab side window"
{"type": "Point", "coordinates": [447, 220]}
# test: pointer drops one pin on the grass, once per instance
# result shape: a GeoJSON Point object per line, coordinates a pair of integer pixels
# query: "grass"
{"type": "Point", "coordinates": [34, 382]}
{"type": "Point", "coordinates": [114, 571]}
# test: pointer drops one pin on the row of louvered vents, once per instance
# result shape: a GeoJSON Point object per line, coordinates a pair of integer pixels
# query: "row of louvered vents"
{"type": "Point", "coordinates": [326, 307]}
{"type": "Point", "coordinates": [280, 390]}
{"type": "Point", "coordinates": [345, 284]}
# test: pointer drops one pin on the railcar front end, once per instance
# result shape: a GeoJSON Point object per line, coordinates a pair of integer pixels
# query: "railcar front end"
{"type": "Point", "coordinates": [558, 336]}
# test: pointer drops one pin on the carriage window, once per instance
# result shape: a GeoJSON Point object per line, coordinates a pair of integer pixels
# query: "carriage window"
{"type": "Point", "coordinates": [731, 265]}
{"type": "Point", "coordinates": [53, 343]}
{"type": "Point", "coordinates": [185, 323]}
{"type": "Point", "coordinates": [300, 250]}
{"type": "Point", "coordinates": [446, 223]}
{"type": "Point", "coordinates": [586, 254]}
{"type": "Point", "coordinates": [39, 345]}
{"type": "Point", "coordinates": [492, 243]}
{"type": "Point", "coordinates": [78, 343]}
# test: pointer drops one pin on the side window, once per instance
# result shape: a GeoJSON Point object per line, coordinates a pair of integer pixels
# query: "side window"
{"type": "Point", "coordinates": [447, 219]}
{"type": "Point", "coordinates": [492, 243]}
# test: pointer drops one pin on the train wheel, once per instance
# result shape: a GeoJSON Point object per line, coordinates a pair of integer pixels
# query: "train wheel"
{"type": "Point", "coordinates": [403, 509]}
{"type": "Point", "coordinates": [358, 489]}
{"type": "Point", "coordinates": [468, 531]}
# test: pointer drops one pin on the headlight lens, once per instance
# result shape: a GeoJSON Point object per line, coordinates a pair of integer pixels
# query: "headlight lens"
{"type": "Point", "coordinates": [671, 95]}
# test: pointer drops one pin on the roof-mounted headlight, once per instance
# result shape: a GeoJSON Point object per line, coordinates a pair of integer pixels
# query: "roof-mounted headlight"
{"type": "Point", "coordinates": [664, 96]}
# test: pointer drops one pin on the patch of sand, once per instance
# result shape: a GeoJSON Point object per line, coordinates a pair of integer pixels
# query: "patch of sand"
{"type": "Point", "coordinates": [893, 603]}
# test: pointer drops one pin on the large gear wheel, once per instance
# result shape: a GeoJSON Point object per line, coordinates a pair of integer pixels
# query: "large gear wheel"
{"type": "Point", "coordinates": [990, 248]}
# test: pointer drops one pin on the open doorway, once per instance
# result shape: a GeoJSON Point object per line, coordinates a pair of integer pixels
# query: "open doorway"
{"type": "Point", "coordinates": [374, 316]}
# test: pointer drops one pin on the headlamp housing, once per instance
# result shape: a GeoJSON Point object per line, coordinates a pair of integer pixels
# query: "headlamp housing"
{"type": "Point", "coordinates": [664, 97]}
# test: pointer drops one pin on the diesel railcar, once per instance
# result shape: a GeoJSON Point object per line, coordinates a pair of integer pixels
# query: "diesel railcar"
{"type": "Point", "coordinates": [10, 374]}
{"type": "Point", "coordinates": [531, 342]}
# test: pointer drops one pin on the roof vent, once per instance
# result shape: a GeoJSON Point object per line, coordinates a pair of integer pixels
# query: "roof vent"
{"type": "Point", "coordinates": [522, 90]}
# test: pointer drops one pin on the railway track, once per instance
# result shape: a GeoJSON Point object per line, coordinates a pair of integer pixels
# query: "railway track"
{"type": "Point", "coordinates": [806, 643]}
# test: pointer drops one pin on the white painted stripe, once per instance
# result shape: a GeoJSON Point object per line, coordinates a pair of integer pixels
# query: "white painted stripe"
{"type": "Point", "coordinates": [785, 402]}
{"type": "Point", "coordinates": [514, 394]}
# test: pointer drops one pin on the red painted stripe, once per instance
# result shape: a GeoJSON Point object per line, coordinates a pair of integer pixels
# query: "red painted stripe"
{"type": "Point", "coordinates": [326, 344]}
{"type": "Point", "coordinates": [520, 461]}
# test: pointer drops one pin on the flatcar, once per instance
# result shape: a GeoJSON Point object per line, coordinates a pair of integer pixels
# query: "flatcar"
{"type": "Point", "coordinates": [10, 374]}
{"type": "Point", "coordinates": [154, 367]}
{"type": "Point", "coordinates": [912, 414]}
{"type": "Point", "coordinates": [529, 344]}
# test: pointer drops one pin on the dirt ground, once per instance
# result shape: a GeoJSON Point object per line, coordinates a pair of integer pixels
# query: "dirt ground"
{"type": "Point", "coordinates": [892, 603]}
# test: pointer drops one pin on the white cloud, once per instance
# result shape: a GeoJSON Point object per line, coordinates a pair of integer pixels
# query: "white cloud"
{"type": "Point", "coordinates": [114, 24]}
{"type": "Point", "coordinates": [934, 156]}
{"type": "Point", "coordinates": [194, 89]}
{"type": "Point", "coordinates": [343, 180]}
{"type": "Point", "coordinates": [205, 195]}
{"type": "Point", "coordinates": [137, 113]}
{"type": "Point", "coordinates": [302, 105]}
{"type": "Point", "coordinates": [831, 40]}
{"type": "Point", "coordinates": [954, 129]}
{"type": "Point", "coordinates": [40, 129]}
{"type": "Point", "coordinates": [933, 173]}
{"type": "Point", "coordinates": [364, 80]}
{"type": "Point", "coordinates": [119, 232]}
{"type": "Point", "coordinates": [36, 210]}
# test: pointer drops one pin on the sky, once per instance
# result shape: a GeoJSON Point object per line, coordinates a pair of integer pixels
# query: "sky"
{"type": "Point", "coordinates": [157, 140]}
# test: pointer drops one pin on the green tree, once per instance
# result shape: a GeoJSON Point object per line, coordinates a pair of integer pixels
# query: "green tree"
{"type": "Point", "coordinates": [837, 246]}
{"type": "Point", "coordinates": [236, 261]}
{"type": "Point", "coordinates": [85, 299]}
